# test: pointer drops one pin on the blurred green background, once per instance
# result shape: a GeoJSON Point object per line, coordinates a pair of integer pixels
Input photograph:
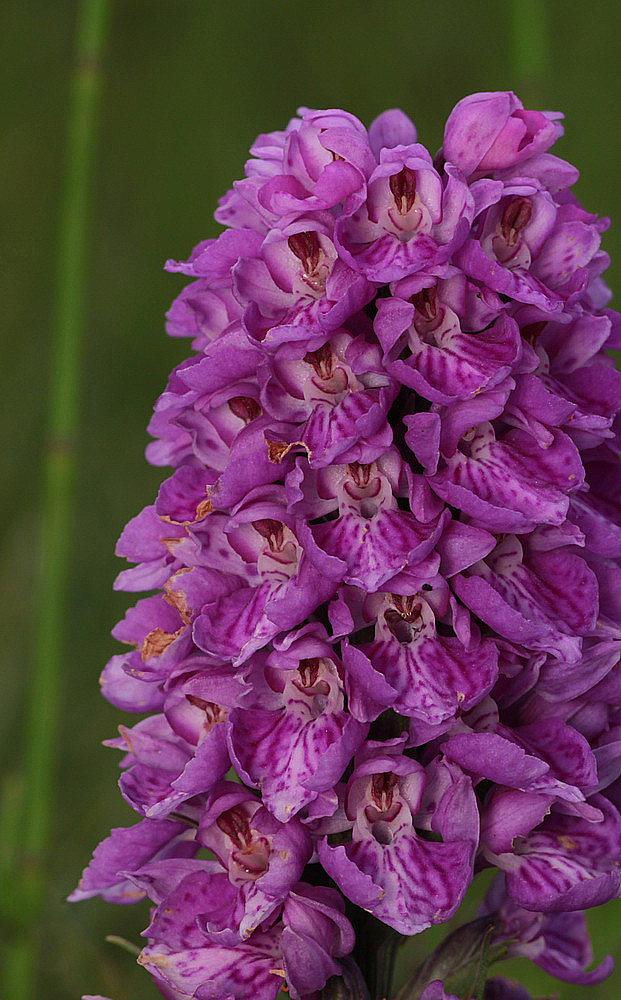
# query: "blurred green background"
{"type": "Point", "coordinates": [186, 88]}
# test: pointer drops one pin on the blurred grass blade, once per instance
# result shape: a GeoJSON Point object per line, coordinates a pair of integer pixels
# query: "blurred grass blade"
{"type": "Point", "coordinates": [530, 46]}
{"type": "Point", "coordinates": [42, 715]}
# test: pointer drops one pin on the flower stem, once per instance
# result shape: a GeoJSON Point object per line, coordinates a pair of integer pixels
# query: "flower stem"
{"type": "Point", "coordinates": [127, 946]}
{"type": "Point", "coordinates": [44, 695]}
{"type": "Point", "coordinates": [376, 951]}
{"type": "Point", "coordinates": [530, 47]}
{"type": "Point", "coordinates": [385, 963]}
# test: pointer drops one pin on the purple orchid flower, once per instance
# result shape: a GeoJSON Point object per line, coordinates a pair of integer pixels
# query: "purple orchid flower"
{"type": "Point", "coordinates": [379, 647]}
{"type": "Point", "coordinates": [412, 219]}
{"type": "Point", "coordinates": [493, 131]}
{"type": "Point", "coordinates": [300, 952]}
{"type": "Point", "coordinates": [444, 362]}
{"type": "Point", "coordinates": [262, 857]}
{"type": "Point", "coordinates": [557, 942]}
{"type": "Point", "coordinates": [294, 739]}
{"type": "Point", "coordinates": [387, 867]}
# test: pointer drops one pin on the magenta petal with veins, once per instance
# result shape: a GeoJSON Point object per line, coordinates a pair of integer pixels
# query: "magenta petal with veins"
{"type": "Point", "coordinates": [387, 868]}
{"type": "Point", "coordinates": [566, 863]}
{"type": "Point", "coordinates": [294, 738]}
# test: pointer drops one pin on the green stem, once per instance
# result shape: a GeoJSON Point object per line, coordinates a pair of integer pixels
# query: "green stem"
{"type": "Point", "coordinates": [530, 47]}
{"type": "Point", "coordinates": [44, 695]}
{"type": "Point", "coordinates": [375, 953]}
{"type": "Point", "coordinates": [123, 943]}
{"type": "Point", "coordinates": [385, 964]}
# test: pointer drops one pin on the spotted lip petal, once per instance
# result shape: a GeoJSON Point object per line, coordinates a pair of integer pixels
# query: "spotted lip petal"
{"type": "Point", "coordinates": [512, 484]}
{"type": "Point", "coordinates": [291, 759]}
{"type": "Point", "coordinates": [522, 600]}
{"type": "Point", "coordinates": [174, 923]}
{"type": "Point", "coordinates": [434, 677]}
{"type": "Point", "coordinates": [332, 434]}
{"type": "Point", "coordinates": [409, 886]}
{"type": "Point", "coordinates": [293, 737]}
{"type": "Point", "coordinates": [444, 363]}
{"type": "Point", "coordinates": [566, 863]}
{"type": "Point", "coordinates": [235, 627]}
{"type": "Point", "coordinates": [376, 550]}
{"type": "Point", "coordinates": [216, 972]}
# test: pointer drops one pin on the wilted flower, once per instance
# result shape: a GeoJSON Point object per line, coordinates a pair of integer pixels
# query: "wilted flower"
{"type": "Point", "coordinates": [383, 644]}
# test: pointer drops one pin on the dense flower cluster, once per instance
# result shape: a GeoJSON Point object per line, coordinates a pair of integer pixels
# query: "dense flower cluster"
{"type": "Point", "coordinates": [385, 569]}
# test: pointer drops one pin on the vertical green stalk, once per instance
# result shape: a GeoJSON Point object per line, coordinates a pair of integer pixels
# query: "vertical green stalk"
{"type": "Point", "coordinates": [43, 699]}
{"type": "Point", "coordinates": [530, 45]}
